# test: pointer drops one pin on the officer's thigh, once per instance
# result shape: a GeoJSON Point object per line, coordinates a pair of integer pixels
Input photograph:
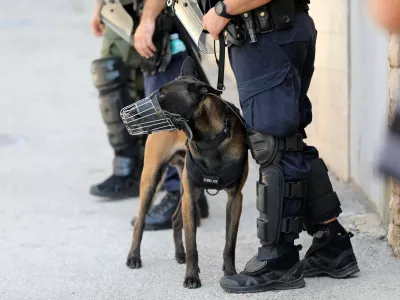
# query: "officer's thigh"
{"type": "Point", "coordinates": [154, 82]}
{"type": "Point", "coordinates": [114, 45]}
{"type": "Point", "coordinates": [268, 75]}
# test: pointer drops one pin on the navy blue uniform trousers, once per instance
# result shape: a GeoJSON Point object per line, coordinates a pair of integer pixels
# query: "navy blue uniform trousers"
{"type": "Point", "coordinates": [154, 82]}
{"type": "Point", "coordinates": [273, 77]}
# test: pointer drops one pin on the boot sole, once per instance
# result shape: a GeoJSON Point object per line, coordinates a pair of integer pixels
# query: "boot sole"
{"type": "Point", "coordinates": [155, 227]}
{"type": "Point", "coordinates": [345, 272]}
{"type": "Point", "coordinates": [275, 285]}
{"type": "Point", "coordinates": [112, 195]}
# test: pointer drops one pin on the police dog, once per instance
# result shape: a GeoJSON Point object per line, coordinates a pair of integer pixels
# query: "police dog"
{"type": "Point", "coordinates": [212, 140]}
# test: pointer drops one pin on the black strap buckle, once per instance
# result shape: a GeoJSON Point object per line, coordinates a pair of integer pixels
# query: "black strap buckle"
{"type": "Point", "coordinates": [292, 225]}
{"type": "Point", "coordinates": [291, 143]}
{"type": "Point", "coordinates": [294, 143]}
{"type": "Point", "coordinates": [295, 189]}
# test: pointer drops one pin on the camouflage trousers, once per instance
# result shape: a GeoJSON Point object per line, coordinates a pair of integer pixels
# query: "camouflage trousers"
{"type": "Point", "coordinates": [114, 45]}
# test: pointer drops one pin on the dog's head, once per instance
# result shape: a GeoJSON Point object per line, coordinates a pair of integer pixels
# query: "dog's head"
{"type": "Point", "coordinates": [171, 106]}
{"type": "Point", "coordinates": [183, 95]}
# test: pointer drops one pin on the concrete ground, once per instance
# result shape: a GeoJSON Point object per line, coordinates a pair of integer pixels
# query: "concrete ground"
{"type": "Point", "coordinates": [57, 241]}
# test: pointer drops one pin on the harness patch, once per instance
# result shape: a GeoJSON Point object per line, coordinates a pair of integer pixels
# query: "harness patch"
{"type": "Point", "coordinates": [211, 180]}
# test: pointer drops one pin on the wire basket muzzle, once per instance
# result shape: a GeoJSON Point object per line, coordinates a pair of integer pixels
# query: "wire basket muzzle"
{"type": "Point", "coordinates": [146, 116]}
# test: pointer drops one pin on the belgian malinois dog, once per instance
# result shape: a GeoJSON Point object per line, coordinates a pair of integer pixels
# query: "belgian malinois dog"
{"type": "Point", "coordinates": [210, 152]}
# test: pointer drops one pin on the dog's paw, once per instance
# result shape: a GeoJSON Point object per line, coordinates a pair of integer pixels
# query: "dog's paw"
{"type": "Point", "coordinates": [228, 270]}
{"type": "Point", "coordinates": [192, 282]}
{"type": "Point", "coordinates": [133, 262]}
{"type": "Point", "coordinates": [180, 257]}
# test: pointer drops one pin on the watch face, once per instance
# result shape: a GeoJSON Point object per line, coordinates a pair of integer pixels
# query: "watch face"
{"type": "Point", "coordinates": [219, 8]}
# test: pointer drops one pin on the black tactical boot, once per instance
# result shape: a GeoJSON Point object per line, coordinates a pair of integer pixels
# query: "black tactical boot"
{"type": "Point", "coordinates": [331, 253]}
{"type": "Point", "coordinates": [117, 186]}
{"type": "Point", "coordinates": [160, 216]}
{"type": "Point", "coordinates": [114, 80]}
{"type": "Point", "coordinates": [274, 268]}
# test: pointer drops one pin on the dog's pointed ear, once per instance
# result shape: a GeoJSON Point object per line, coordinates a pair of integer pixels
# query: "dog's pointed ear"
{"type": "Point", "coordinates": [189, 68]}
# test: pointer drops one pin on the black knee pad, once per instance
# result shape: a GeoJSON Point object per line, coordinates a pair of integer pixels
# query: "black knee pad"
{"type": "Point", "coordinates": [109, 73]}
{"type": "Point", "coordinates": [110, 76]}
{"type": "Point", "coordinates": [322, 203]}
{"type": "Point", "coordinates": [272, 188]}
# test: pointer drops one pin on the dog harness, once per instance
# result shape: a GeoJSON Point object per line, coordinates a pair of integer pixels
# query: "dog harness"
{"type": "Point", "coordinates": [216, 178]}
{"type": "Point", "coordinates": [220, 176]}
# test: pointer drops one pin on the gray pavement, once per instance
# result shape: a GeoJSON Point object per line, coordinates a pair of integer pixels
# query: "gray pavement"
{"type": "Point", "coordinates": [57, 241]}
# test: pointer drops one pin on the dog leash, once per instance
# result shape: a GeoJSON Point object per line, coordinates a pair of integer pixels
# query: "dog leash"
{"type": "Point", "coordinates": [220, 62]}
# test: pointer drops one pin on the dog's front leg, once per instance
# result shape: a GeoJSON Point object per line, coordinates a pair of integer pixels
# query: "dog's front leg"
{"type": "Point", "coordinates": [233, 213]}
{"type": "Point", "coordinates": [177, 229]}
{"type": "Point", "coordinates": [178, 162]}
{"type": "Point", "coordinates": [155, 161]}
{"type": "Point", "coordinates": [148, 184]}
{"type": "Point", "coordinates": [190, 194]}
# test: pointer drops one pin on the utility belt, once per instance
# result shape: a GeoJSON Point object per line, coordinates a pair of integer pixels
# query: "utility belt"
{"type": "Point", "coordinates": [274, 16]}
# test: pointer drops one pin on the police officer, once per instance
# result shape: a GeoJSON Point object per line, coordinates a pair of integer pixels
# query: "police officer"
{"type": "Point", "coordinates": [115, 92]}
{"type": "Point", "coordinates": [162, 66]}
{"type": "Point", "coordinates": [387, 14]}
{"type": "Point", "coordinates": [273, 69]}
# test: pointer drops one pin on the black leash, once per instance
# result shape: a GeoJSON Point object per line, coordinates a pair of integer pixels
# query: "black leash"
{"type": "Point", "coordinates": [221, 62]}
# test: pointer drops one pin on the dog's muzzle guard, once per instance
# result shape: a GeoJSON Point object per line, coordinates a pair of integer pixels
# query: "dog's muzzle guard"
{"type": "Point", "coordinates": [146, 116]}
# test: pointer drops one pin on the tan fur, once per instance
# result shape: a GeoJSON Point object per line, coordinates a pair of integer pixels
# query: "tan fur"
{"type": "Point", "coordinates": [163, 148]}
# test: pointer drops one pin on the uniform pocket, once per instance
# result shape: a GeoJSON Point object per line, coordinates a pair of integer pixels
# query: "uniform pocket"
{"type": "Point", "coordinates": [269, 103]}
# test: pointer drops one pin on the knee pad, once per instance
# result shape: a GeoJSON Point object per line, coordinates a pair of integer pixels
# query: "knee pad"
{"type": "Point", "coordinates": [265, 148]}
{"type": "Point", "coordinates": [272, 187]}
{"type": "Point", "coordinates": [110, 76]}
{"type": "Point", "coordinates": [321, 202]}
{"type": "Point", "coordinates": [109, 73]}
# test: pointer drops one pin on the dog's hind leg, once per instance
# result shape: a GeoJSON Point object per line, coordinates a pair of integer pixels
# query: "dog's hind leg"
{"type": "Point", "coordinates": [155, 161]}
{"type": "Point", "coordinates": [233, 213]}
{"type": "Point", "coordinates": [190, 194]}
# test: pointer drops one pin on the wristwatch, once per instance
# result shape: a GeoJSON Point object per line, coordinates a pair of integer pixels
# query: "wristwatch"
{"type": "Point", "coordinates": [220, 10]}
